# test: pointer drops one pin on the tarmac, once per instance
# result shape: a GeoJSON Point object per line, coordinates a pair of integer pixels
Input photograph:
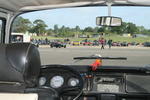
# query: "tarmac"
{"type": "Point", "coordinates": [136, 55]}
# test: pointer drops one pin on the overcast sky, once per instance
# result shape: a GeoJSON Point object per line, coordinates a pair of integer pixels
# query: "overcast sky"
{"type": "Point", "coordinates": [86, 16]}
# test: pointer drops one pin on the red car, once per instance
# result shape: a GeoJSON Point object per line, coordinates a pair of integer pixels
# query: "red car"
{"type": "Point", "coordinates": [87, 43]}
{"type": "Point", "coordinates": [116, 44]}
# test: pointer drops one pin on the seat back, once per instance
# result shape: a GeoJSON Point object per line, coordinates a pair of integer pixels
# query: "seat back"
{"type": "Point", "coordinates": [19, 67]}
{"type": "Point", "coordinates": [19, 71]}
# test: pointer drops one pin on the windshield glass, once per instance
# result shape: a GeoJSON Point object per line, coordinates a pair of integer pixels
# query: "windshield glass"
{"type": "Point", "coordinates": [62, 34]}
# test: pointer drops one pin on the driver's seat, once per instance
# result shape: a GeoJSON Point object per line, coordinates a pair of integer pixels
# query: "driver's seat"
{"type": "Point", "coordinates": [19, 70]}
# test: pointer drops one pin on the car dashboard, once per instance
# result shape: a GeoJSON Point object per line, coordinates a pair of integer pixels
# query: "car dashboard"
{"type": "Point", "coordinates": [106, 83]}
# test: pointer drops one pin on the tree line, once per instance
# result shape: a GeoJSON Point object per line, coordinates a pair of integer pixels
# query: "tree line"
{"type": "Point", "coordinates": [39, 27]}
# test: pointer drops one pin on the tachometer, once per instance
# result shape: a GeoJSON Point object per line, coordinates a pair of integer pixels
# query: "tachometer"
{"type": "Point", "coordinates": [56, 81]}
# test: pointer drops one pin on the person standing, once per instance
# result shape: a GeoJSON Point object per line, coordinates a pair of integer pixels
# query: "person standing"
{"type": "Point", "coordinates": [109, 43]}
{"type": "Point", "coordinates": [102, 42]}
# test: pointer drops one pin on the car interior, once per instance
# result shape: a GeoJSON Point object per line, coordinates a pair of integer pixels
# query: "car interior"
{"type": "Point", "coordinates": [23, 77]}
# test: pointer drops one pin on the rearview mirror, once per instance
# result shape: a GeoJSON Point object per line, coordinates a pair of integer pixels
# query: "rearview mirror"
{"type": "Point", "coordinates": [108, 21]}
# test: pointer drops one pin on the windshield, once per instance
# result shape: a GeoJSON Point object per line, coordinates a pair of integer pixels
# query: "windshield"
{"type": "Point", "coordinates": [62, 34]}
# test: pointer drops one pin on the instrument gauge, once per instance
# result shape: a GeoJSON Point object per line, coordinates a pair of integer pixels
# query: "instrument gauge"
{"type": "Point", "coordinates": [73, 82]}
{"type": "Point", "coordinates": [42, 81]}
{"type": "Point", "coordinates": [56, 81]}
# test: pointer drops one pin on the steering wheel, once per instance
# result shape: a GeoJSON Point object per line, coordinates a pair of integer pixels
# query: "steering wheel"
{"type": "Point", "coordinates": [67, 73]}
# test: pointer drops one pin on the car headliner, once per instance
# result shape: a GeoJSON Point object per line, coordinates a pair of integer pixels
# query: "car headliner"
{"type": "Point", "coordinates": [30, 5]}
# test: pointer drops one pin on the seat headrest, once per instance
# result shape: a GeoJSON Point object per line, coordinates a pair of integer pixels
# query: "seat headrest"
{"type": "Point", "coordinates": [19, 62]}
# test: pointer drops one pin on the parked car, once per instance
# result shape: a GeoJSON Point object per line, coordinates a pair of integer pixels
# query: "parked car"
{"type": "Point", "coordinates": [76, 43]}
{"type": "Point", "coordinates": [95, 43]}
{"type": "Point", "coordinates": [35, 42]}
{"type": "Point", "coordinates": [137, 44]}
{"type": "Point", "coordinates": [116, 44]}
{"type": "Point", "coordinates": [87, 43]}
{"type": "Point", "coordinates": [146, 44]}
{"type": "Point", "coordinates": [124, 44]}
{"type": "Point", "coordinates": [57, 45]}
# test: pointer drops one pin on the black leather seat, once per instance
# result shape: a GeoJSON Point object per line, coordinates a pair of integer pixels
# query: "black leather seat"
{"type": "Point", "coordinates": [19, 70]}
{"type": "Point", "coordinates": [19, 66]}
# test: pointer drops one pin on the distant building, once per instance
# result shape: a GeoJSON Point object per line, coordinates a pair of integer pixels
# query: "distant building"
{"type": "Point", "coordinates": [20, 37]}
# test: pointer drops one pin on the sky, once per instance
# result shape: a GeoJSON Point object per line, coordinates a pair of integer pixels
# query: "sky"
{"type": "Point", "coordinates": [86, 16]}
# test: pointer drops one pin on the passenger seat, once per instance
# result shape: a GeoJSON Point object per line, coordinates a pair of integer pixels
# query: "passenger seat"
{"type": "Point", "coordinates": [19, 70]}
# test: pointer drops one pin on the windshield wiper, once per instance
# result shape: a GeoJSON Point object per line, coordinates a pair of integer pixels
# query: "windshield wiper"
{"type": "Point", "coordinates": [106, 58]}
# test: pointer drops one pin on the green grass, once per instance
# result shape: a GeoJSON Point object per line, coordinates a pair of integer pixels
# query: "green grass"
{"type": "Point", "coordinates": [129, 39]}
{"type": "Point", "coordinates": [115, 38]}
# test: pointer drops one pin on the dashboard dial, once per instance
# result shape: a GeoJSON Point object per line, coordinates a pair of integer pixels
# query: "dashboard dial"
{"type": "Point", "coordinates": [73, 82]}
{"type": "Point", "coordinates": [56, 81]}
{"type": "Point", "coordinates": [42, 81]}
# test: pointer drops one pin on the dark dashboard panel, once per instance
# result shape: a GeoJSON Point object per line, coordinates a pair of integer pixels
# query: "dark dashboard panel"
{"type": "Point", "coordinates": [108, 82]}
{"type": "Point", "coordinates": [138, 83]}
{"type": "Point", "coordinates": [60, 78]}
{"type": "Point", "coordinates": [115, 80]}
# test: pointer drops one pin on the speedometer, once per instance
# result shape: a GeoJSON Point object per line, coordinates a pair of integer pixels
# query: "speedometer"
{"type": "Point", "coordinates": [56, 81]}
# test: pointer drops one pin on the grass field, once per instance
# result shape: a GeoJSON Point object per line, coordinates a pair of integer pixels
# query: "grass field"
{"type": "Point", "coordinates": [115, 38]}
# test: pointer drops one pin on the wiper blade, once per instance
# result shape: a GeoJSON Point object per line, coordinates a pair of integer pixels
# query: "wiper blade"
{"type": "Point", "coordinates": [106, 58]}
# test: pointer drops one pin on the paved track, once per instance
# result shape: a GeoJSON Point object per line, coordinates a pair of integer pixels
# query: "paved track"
{"type": "Point", "coordinates": [136, 56]}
